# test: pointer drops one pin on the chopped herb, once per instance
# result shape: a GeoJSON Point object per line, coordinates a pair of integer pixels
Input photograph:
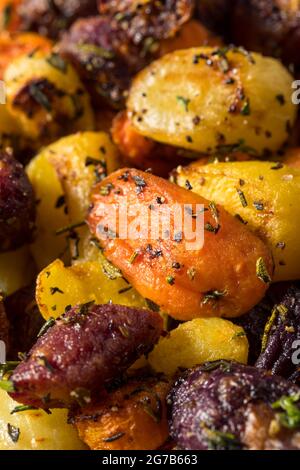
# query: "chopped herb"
{"type": "Point", "coordinates": [223, 62]}
{"type": "Point", "coordinates": [258, 205]}
{"type": "Point", "coordinates": [240, 146]}
{"type": "Point", "coordinates": [46, 399]}
{"type": "Point", "coordinates": [191, 273]}
{"type": "Point", "coordinates": [244, 52]}
{"type": "Point", "coordinates": [124, 331]}
{"type": "Point", "coordinates": [153, 306]}
{"type": "Point", "coordinates": [21, 408]}
{"type": "Point", "coordinates": [150, 46]}
{"type": "Point", "coordinates": [155, 414]}
{"type": "Point", "coordinates": [6, 16]}
{"type": "Point", "coordinates": [281, 99]}
{"type": "Point", "coordinates": [240, 334]}
{"type": "Point", "coordinates": [61, 200]}
{"type": "Point", "coordinates": [111, 271]}
{"type": "Point", "coordinates": [84, 309]}
{"type": "Point", "coordinates": [268, 328]}
{"type": "Point", "coordinates": [77, 105]}
{"type": "Point", "coordinates": [242, 197]}
{"type": "Point", "coordinates": [126, 289]}
{"type": "Point", "coordinates": [170, 280]}
{"type": "Point", "coordinates": [290, 415]}
{"type": "Point", "coordinates": [57, 62]}
{"type": "Point", "coordinates": [7, 386]}
{"type": "Point", "coordinates": [240, 218]}
{"type": "Point", "coordinates": [69, 228]}
{"type": "Point", "coordinates": [13, 432]}
{"type": "Point", "coordinates": [33, 52]}
{"type": "Point", "coordinates": [93, 161]}
{"type": "Point", "coordinates": [218, 440]}
{"type": "Point", "coordinates": [106, 190]}
{"type": "Point", "coordinates": [197, 58]}
{"type": "Point", "coordinates": [133, 257]}
{"type": "Point", "coordinates": [213, 295]}
{"type": "Point", "coordinates": [210, 366]}
{"type": "Point", "coordinates": [115, 437]}
{"type": "Point", "coordinates": [262, 272]}
{"type": "Point", "coordinates": [277, 166]}
{"type": "Point", "coordinates": [245, 111]}
{"type": "Point", "coordinates": [43, 361]}
{"type": "Point", "coordinates": [160, 200]}
{"type": "Point", "coordinates": [39, 96]}
{"type": "Point", "coordinates": [140, 183]}
{"type": "Point", "coordinates": [56, 290]}
{"type": "Point", "coordinates": [92, 49]}
{"type": "Point", "coordinates": [196, 120]}
{"type": "Point", "coordinates": [215, 212]}
{"type": "Point", "coordinates": [210, 228]}
{"type": "Point", "coordinates": [282, 310]}
{"type": "Point", "coordinates": [8, 367]}
{"type": "Point", "coordinates": [188, 185]}
{"type": "Point", "coordinates": [22, 356]}
{"type": "Point", "coordinates": [185, 102]}
{"type": "Point", "coordinates": [124, 176]}
{"type": "Point", "coordinates": [51, 322]}
{"type": "Point", "coordinates": [153, 253]}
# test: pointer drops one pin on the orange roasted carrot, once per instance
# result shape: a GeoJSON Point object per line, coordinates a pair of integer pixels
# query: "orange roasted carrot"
{"type": "Point", "coordinates": [133, 417]}
{"type": "Point", "coordinates": [144, 153]}
{"type": "Point", "coordinates": [191, 34]}
{"type": "Point", "coordinates": [226, 277]}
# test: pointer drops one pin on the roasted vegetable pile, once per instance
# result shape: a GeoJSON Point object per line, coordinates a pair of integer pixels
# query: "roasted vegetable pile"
{"type": "Point", "coordinates": [149, 225]}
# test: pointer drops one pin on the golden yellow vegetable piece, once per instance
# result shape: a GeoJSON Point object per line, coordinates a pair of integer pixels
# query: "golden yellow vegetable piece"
{"type": "Point", "coordinates": [35, 430]}
{"type": "Point", "coordinates": [59, 287]}
{"type": "Point", "coordinates": [265, 195]}
{"type": "Point", "coordinates": [203, 99]}
{"type": "Point", "coordinates": [63, 175]}
{"type": "Point", "coordinates": [80, 161]}
{"type": "Point", "coordinates": [47, 98]}
{"type": "Point", "coordinates": [16, 270]}
{"type": "Point", "coordinates": [51, 215]}
{"type": "Point", "coordinates": [199, 341]}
